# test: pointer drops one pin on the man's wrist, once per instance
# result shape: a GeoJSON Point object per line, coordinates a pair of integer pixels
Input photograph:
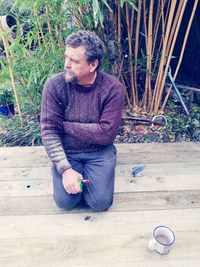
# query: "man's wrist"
{"type": "Point", "coordinates": [67, 171]}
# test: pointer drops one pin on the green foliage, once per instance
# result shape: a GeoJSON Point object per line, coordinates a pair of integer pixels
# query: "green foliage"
{"type": "Point", "coordinates": [17, 135]}
{"type": "Point", "coordinates": [6, 96]}
{"type": "Point", "coordinates": [33, 71]}
{"type": "Point", "coordinates": [181, 127]}
{"type": "Point", "coordinates": [37, 54]}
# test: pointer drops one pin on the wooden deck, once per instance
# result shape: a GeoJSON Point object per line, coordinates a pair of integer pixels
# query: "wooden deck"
{"type": "Point", "coordinates": [34, 232]}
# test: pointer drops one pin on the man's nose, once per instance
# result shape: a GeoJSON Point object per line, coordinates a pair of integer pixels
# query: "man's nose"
{"type": "Point", "coordinates": [67, 63]}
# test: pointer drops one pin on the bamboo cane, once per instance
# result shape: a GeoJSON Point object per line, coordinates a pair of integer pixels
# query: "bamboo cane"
{"type": "Point", "coordinates": [127, 96]}
{"type": "Point", "coordinates": [162, 61]}
{"type": "Point", "coordinates": [119, 24]}
{"type": "Point", "coordinates": [147, 92]}
{"type": "Point", "coordinates": [120, 67]}
{"type": "Point", "coordinates": [144, 99]}
{"type": "Point", "coordinates": [130, 56]}
{"type": "Point", "coordinates": [163, 24]}
{"type": "Point", "coordinates": [35, 14]}
{"type": "Point", "coordinates": [48, 20]}
{"type": "Point", "coordinates": [132, 20]}
{"type": "Point", "coordinates": [145, 19]}
{"type": "Point", "coordinates": [5, 43]}
{"type": "Point", "coordinates": [171, 51]}
{"type": "Point", "coordinates": [156, 26]}
{"type": "Point", "coordinates": [149, 57]}
{"type": "Point", "coordinates": [76, 18]}
{"type": "Point", "coordinates": [39, 26]}
{"type": "Point", "coordinates": [182, 52]}
{"type": "Point", "coordinates": [137, 42]}
{"type": "Point", "coordinates": [174, 26]}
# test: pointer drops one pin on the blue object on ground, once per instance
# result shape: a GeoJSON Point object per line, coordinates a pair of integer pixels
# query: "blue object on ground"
{"type": "Point", "coordinates": [137, 169]}
{"type": "Point", "coordinates": [7, 110]}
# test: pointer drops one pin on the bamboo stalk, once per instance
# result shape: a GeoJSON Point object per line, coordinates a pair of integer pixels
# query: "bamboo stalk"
{"type": "Point", "coordinates": [156, 27]}
{"type": "Point", "coordinates": [183, 5]}
{"type": "Point", "coordinates": [48, 20]}
{"type": "Point", "coordinates": [163, 20]}
{"type": "Point", "coordinates": [76, 18]}
{"type": "Point", "coordinates": [35, 14]}
{"type": "Point", "coordinates": [119, 24]}
{"type": "Point", "coordinates": [162, 61]}
{"type": "Point", "coordinates": [148, 92]}
{"type": "Point", "coordinates": [145, 19]}
{"type": "Point", "coordinates": [130, 57]}
{"type": "Point", "coordinates": [182, 52]}
{"type": "Point", "coordinates": [137, 42]}
{"type": "Point", "coordinates": [127, 96]}
{"type": "Point", "coordinates": [5, 43]}
{"type": "Point", "coordinates": [174, 26]}
{"type": "Point", "coordinates": [132, 21]}
{"type": "Point", "coordinates": [149, 57]}
{"type": "Point", "coordinates": [168, 8]}
{"type": "Point", "coordinates": [120, 67]}
{"type": "Point", "coordinates": [144, 99]}
{"type": "Point", "coordinates": [39, 26]}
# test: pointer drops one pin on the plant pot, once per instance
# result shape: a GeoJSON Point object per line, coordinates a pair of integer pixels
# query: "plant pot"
{"type": "Point", "coordinates": [7, 110]}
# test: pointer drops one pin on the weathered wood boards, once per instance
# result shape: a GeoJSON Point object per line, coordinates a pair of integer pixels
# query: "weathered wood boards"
{"type": "Point", "coordinates": [35, 232]}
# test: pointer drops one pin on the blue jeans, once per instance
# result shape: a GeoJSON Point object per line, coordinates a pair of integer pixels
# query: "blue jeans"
{"type": "Point", "coordinates": [99, 167]}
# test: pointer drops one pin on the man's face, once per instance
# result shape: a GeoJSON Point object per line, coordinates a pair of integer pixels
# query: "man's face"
{"type": "Point", "coordinates": [77, 68]}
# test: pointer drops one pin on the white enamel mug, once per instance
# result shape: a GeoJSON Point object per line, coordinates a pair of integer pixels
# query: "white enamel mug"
{"type": "Point", "coordinates": [163, 239]}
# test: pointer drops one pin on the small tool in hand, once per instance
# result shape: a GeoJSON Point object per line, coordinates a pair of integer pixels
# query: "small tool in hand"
{"type": "Point", "coordinates": [83, 181]}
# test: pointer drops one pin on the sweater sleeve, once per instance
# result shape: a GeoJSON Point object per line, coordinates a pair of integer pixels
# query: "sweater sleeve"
{"type": "Point", "coordinates": [104, 132]}
{"type": "Point", "coordinates": [52, 116]}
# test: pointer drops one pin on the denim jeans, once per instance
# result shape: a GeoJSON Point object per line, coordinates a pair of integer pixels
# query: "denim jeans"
{"type": "Point", "coordinates": [99, 167]}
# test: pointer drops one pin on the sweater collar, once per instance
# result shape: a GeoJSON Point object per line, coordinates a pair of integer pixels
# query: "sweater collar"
{"type": "Point", "coordinates": [89, 88]}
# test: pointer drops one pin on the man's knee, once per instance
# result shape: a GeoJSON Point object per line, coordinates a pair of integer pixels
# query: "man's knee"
{"type": "Point", "coordinates": [99, 203]}
{"type": "Point", "coordinates": [64, 203]}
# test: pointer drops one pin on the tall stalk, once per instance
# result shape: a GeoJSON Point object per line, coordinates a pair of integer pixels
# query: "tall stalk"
{"type": "Point", "coordinates": [6, 47]}
{"type": "Point", "coordinates": [182, 52]}
{"type": "Point", "coordinates": [149, 53]}
{"type": "Point", "coordinates": [155, 102]}
{"type": "Point", "coordinates": [48, 20]}
{"type": "Point", "coordinates": [172, 48]}
{"type": "Point", "coordinates": [130, 56]}
{"type": "Point", "coordinates": [119, 24]}
{"type": "Point", "coordinates": [137, 41]}
{"type": "Point", "coordinates": [39, 26]}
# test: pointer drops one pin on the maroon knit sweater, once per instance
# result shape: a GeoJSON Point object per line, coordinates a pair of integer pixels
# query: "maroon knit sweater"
{"type": "Point", "coordinates": [77, 119]}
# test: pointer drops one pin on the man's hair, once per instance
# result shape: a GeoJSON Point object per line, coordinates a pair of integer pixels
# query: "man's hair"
{"type": "Point", "coordinates": [93, 45]}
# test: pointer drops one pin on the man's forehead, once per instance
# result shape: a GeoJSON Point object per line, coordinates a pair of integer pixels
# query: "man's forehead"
{"type": "Point", "coordinates": [78, 51]}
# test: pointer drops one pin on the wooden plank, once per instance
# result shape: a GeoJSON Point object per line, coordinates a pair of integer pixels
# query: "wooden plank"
{"type": "Point", "coordinates": [122, 184]}
{"type": "Point", "coordinates": [151, 170]}
{"type": "Point", "coordinates": [120, 250]}
{"type": "Point", "coordinates": [158, 147]}
{"type": "Point", "coordinates": [65, 225]}
{"type": "Point", "coordinates": [154, 157]}
{"type": "Point", "coordinates": [139, 201]}
{"type": "Point", "coordinates": [123, 158]}
{"type": "Point", "coordinates": [27, 173]}
{"type": "Point", "coordinates": [123, 148]}
{"type": "Point", "coordinates": [129, 154]}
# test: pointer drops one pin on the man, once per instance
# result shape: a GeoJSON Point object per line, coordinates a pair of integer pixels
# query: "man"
{"type": "Point", "coordinates": [81, 113]}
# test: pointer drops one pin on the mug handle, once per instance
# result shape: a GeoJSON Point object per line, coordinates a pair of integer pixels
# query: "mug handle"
{"type": "Point", "coordinates": [152, 244]}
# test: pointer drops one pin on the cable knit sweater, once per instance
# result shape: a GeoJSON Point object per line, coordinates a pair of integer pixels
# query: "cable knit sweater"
{"type": "Point", "coordinates": [77, 119]}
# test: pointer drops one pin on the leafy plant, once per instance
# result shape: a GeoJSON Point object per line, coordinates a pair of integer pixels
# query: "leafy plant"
{"type": "Point", "coordinates": [6, 97]}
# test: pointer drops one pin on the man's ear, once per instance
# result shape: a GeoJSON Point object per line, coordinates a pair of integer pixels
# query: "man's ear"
{"type": "Point", "coordinates": [93, 65]}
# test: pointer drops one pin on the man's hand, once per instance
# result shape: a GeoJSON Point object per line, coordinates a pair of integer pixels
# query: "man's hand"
{"type": "Point", "coordinates": [70, 180]}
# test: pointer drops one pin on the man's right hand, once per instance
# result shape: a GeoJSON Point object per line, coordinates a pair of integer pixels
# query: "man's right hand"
{"type": "Point", "coordinates": [70, 180]}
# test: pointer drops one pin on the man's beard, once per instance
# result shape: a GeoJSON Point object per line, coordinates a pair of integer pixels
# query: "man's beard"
{"type": "Point", "coordinates": [71, 79]}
